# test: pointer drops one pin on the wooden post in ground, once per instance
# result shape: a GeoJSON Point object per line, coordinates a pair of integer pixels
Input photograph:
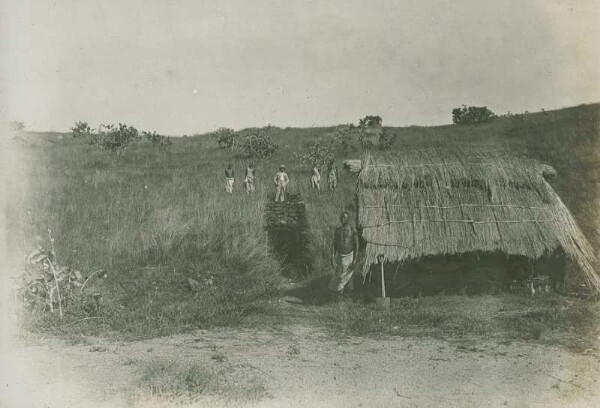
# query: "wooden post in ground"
{"type": "Point", "coordinates": [383, 302]}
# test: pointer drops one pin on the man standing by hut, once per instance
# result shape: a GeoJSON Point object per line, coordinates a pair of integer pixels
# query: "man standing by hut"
{"type": "Point", "coordinates": [249, 179]}
{"type": "Point", "coordinates": [229, 178]}
{"type": "Point", "coordinates": [344, 255]}
{"type": "Point", "coordinates": [281, 181]}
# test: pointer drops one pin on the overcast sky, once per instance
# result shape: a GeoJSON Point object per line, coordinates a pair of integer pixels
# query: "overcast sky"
{"type": "Point", "coordinates": [192, 66]}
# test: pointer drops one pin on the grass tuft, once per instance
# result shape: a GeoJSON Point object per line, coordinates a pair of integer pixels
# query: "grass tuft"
{"type": "Point", "coordinates": [191, 381]}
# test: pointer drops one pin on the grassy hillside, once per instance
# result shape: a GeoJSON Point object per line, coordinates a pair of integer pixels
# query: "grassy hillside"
{"type": "Point", "coordinates": [158, 216]}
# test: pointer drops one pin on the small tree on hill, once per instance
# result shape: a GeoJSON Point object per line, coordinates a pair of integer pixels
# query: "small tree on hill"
{"type": "Point", "coordinates": [117, 138]}
{"type": "Point", "coordinates": [157, 139]}
{"type": "Point", "coordinates": [81, 129]}
{"type": "Point", "coordinates": [471, 114]}
{"type": "Point", "coordinates": [226, 138]}
{"type": "Point", "coordinates": [369, 131]}
{"type": "Point", "coordinates": [258, 144]}
{"type": "Point", "coordinates": [319, 154]}
{"type": "Point", "coordinates": [345, 138]}
{"type": "Point", "coordinates": [370, 122]}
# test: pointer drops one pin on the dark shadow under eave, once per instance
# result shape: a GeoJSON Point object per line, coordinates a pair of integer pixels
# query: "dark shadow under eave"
{"type": "Point", "coordinates": [469, 273]}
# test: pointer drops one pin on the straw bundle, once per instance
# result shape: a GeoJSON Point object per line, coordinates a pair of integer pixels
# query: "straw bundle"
{"type": "Point", "coordinates": [352, 165]}
{"type": "Point", "coordinates": [436, 203]}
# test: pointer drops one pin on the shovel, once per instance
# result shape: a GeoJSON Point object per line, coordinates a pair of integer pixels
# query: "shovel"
{"type": "Point", "coordinates": [383, 303]}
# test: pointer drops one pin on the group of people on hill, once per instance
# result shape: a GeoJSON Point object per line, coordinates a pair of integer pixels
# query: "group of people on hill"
{"type": "Point", "coordinates": [249, 178]}
{"type": "Point", "coordinates": [281, 179]}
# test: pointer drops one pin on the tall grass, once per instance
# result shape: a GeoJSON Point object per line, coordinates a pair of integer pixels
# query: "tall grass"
{"type": "Point", "coordinates": [155, 217]}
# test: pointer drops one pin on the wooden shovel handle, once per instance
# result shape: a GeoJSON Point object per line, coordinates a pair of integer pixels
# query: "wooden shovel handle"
{"type": "Point", "coordinates": [382, 282]}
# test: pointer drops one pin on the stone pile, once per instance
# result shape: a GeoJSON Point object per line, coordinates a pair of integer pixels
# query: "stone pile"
{"type": "Point", "coordinates": [288, 232]}
{"type": "Point", "coordinates": [292, 214]}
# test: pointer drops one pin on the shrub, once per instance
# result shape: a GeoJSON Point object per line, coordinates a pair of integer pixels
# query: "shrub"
{"type": "Point", "coordinates": [47, 286]}
{"type": "Point", "coordinates": [365, 139]}
{"type": "Point", "coordinates": [81, 129]}
{"type": "Point", "coordinates": [259, 144]}
{"type": "Point", "coordinates": [386, 139]}
{"type": "Point", "coordinates": [370, 122]}
{"type": "Point", "coordinates": [95, 139]}
{"type": "Point", "coordinates": [349, 137]}
{"type": "Point", "coordinates": [319, 154]}
{"type": "Point", "coordinates": [369, 130]}
{"type": "Point", "coordinates": [471, 114]}
{"type": "Point", "coordinates": [342, 139]}
{"type": "Point", "coordinates": [225, 138]}
{"type": "Point", "coordinates": [157, 139]}
{"type": "Point", "coordinates": [117, 138]}
{"type": "Point", "coordinates": [185, 381]}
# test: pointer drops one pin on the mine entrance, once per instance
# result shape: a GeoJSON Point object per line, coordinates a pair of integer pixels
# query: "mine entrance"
{"type": "Point", "coordinates": [287, 231]}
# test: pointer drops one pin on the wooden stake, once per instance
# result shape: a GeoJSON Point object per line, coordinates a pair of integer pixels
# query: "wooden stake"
{"type": "Point", "coordinates": [60, 311]}
{"type": "Point", "coordinates": [382, 281]}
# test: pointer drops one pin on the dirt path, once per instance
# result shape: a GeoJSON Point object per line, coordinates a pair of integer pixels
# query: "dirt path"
{"type": "Point", "coordinates": [303, 367]}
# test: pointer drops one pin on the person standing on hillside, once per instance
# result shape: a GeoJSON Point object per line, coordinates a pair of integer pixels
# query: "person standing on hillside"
{"type": "Point", "coordinates": [229, 178]}
{"type": "Point", "coordinates": [332, 175]}
{"type": "Point", "coordinates": [249, 178]}
{"type": "Point", "coordinates": [281, 181]}
{"type": "Point", "coordinates": [344, 255]}
{"type": "Point", "coordinates": [315, 179]}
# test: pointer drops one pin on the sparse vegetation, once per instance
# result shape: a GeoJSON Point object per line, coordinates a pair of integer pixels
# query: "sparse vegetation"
{"type": "Point", "coordinates": [46, 286]}
{"type": "Point", "coordinates": [259, 144]}
{"type": "Point", "coordinates": [370, 121]}
{"type": "Point", "coordinates": [117, 138]}
{"type": "Point", "coordinates": [81, 129]}
{"type": "Point", "coordinates": [550, 319]}
{"type": "Point", "coordinates": [471, 115]}
{"type": "Point", "coordinates": [319, 154]}
{"type": "Point", "coordinates": [369, 131]}
{"type": "Point", "coordinates": [187, 382]}
{"type": "Point", "coordinates": [157, 139]}
{"type": "Point", "coordinates": [226, 138]}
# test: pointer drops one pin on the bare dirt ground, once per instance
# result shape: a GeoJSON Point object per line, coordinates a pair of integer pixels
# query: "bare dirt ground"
{"type": "Point", "coordinates": [304, 367]}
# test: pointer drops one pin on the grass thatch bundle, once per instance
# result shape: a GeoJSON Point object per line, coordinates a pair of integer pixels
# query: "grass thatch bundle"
{"type": "Point", "coordinates": [431, 202]}
{"type": "Point", "coordinates": [353, 165]}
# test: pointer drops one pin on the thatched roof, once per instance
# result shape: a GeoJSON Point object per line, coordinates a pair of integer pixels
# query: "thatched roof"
{"type": "Point", "coordinates": [429, 202]}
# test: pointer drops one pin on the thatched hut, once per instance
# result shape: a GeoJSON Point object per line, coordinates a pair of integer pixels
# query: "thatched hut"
{"type": "Point", "coordinates": [465, 218]}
